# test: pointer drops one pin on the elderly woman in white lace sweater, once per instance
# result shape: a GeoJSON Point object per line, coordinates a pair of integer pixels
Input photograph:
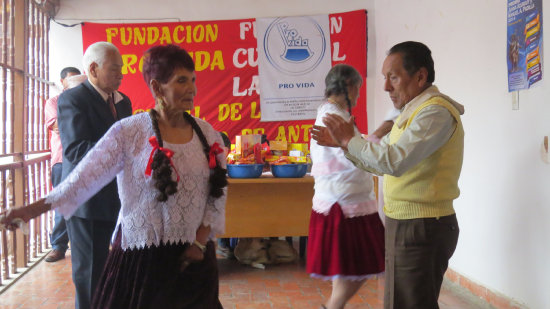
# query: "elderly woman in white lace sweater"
{"type": "Point", "coordinates": [171, 176]}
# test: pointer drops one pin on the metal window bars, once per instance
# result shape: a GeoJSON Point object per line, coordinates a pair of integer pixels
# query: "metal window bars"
{"type": "Point", "coordinates": [24, 146]}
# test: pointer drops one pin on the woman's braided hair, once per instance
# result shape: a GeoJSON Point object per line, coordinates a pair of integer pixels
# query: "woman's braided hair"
{"type": "Point", "coordinates": [159, 63]}
{"type": "Point", "coordinates": [218, 178]}
{"type": "Point", "coordinates": [345, 90]}
{"type": "Point", "coordinates": [162, 169]}
{"type": "Point", "coordinates": [339, 78]}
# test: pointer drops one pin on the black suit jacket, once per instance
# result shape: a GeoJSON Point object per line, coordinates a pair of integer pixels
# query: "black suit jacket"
{"type": "Point", "coordinates": [83, 117]}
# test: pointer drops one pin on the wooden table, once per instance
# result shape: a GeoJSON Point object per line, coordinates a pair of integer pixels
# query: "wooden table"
{"type": "Point", "coordinates": [268, 206]}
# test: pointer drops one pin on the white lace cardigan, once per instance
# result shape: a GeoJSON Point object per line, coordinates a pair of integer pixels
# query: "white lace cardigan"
{"type": "Point", "coordinates": [124, 152]}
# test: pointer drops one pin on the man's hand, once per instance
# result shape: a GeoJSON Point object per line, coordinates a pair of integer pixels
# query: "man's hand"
{"type": "Point", "coordinates": [323, 137]}
{"type": "Point", "coordinates": [54, 127]}
{"type": "Point", "coordinates": [341, 131]}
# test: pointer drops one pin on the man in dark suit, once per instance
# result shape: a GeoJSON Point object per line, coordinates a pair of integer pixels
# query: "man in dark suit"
{"type": "Point", "coordinates": [85, 113]}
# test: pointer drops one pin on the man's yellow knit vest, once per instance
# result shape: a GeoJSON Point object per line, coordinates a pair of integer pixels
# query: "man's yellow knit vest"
{"type": "Point", "coordinates": [428, 189]}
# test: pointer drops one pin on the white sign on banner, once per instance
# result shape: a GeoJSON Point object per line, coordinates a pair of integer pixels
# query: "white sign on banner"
{"type": "Point", "coordinates": [293, 59]}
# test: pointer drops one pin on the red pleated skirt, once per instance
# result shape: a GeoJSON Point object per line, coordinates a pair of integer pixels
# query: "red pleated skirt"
{"type": "Point", "coordinates": [150, 278]}
{"type": "Point", "coordinates": [345, 247]}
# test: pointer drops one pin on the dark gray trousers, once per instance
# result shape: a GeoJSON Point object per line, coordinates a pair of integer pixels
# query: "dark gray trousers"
{"type": "Point", "coordinates": [90, 241]}
{"type": "Point", "coordinates": [417, 256]}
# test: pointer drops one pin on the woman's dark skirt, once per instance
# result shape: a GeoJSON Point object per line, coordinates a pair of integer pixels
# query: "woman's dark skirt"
{"type": "Point", "coordinates": [151, 278]}
{"type": "Point", "coordinates": [351, 248]}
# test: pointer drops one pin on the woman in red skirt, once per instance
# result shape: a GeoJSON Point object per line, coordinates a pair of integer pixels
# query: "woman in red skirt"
{"type": "Point", "coordinates": [346, 236]}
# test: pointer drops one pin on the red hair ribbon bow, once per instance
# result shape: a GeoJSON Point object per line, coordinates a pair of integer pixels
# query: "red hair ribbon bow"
{"type": "Point", "coordinates": [169, 153]}
{"type": "Point", "coordinates": [265, 146]}
{"type": "Point", "coordinates": [214, 150]}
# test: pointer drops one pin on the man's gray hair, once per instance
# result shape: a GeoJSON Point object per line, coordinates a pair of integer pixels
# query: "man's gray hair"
{"type": "Point", "coordinates": [97, 53]}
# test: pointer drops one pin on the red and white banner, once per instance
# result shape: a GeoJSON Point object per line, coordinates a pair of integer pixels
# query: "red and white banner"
{"type": "Point", "coordinates": [226, 62]}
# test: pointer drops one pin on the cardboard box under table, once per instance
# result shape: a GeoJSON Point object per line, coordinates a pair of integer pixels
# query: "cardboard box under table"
{"type": "Point", "coordinates": [268, 206]}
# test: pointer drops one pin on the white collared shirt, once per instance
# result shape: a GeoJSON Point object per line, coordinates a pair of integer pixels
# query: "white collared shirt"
{"type": "Point", "coordinates": [116, 95]}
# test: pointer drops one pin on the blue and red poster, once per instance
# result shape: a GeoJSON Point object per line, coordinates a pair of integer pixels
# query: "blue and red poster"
{"type": "Point", "coordinates": [524, 43]}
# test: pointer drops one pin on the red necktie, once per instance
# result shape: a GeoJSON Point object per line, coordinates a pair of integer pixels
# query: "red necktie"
{"type": "Point", "coordinates": [111, 102]}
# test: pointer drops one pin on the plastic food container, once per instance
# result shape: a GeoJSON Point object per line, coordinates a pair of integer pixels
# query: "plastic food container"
{"type": "Point", "coordinates": [244, 170]}
{"type": "Point", "coordinates": [289, 170]}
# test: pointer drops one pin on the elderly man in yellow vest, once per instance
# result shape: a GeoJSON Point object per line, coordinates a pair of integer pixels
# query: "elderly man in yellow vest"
{"type": "Point", "coordinates": [421, 160]}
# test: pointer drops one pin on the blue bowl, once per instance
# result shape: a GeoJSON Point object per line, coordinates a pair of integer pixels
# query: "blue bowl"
{"type": "Point", "coordinates": [245, 170]}
{"type": "Point", "coordinates": [289, 170]}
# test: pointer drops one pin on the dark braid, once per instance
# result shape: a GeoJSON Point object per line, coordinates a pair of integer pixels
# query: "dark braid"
{"type": "Point", "coordinates": [218, 179]}
{"type": "Point", "coordinates": [162, 170]}
{"type": "Point", "coordinates": [345, 91]}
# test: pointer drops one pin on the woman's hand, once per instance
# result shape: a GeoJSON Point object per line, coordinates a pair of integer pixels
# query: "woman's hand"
{"type": "Point", "coordinates": [192, 254]}
{"type": "Point", "coordinates": [195, 252]}
{"type": "Point", "coordinates": [9, 219]}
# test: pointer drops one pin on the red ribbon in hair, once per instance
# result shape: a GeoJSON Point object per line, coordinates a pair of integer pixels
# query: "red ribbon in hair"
{"type": "Point", "coordinates": [265, 146]}
{"type": "Point", "coordinates": [215, 149]}
{"type": "Point", "coordinates": [169, 153]}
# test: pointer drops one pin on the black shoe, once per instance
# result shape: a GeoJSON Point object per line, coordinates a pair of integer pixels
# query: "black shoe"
{"type": "Point", "coordinates": [54, 256]}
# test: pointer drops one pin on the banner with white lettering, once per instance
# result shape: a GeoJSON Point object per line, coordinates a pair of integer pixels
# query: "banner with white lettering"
{"type": "Point", "coordinates": [226, 63]}
{"type": "Point", "coordinates": [293, 57]}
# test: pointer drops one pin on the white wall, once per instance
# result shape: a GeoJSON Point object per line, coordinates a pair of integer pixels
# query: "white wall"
{"type": "Point", "coordinates": [503, 209]}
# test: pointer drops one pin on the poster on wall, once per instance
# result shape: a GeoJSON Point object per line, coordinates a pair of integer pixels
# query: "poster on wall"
{"type": "Point", "coordinates": [524, 43]}
{"type": "Point", "coordinates": [293, 57]}
{"type": "Point", "coordinates": [226, 64]}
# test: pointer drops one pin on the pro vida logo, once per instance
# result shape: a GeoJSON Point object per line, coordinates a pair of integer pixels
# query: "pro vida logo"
{"type": "Point", "coordinates": [294, 45]}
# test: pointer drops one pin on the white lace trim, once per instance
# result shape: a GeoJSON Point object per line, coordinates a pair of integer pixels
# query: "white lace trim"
{"type": "Point", "coordinates": [124, 152]}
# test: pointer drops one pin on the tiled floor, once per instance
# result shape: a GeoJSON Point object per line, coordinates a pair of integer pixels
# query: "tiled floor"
{"type": "Point", "coordinates": [49, 285]}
